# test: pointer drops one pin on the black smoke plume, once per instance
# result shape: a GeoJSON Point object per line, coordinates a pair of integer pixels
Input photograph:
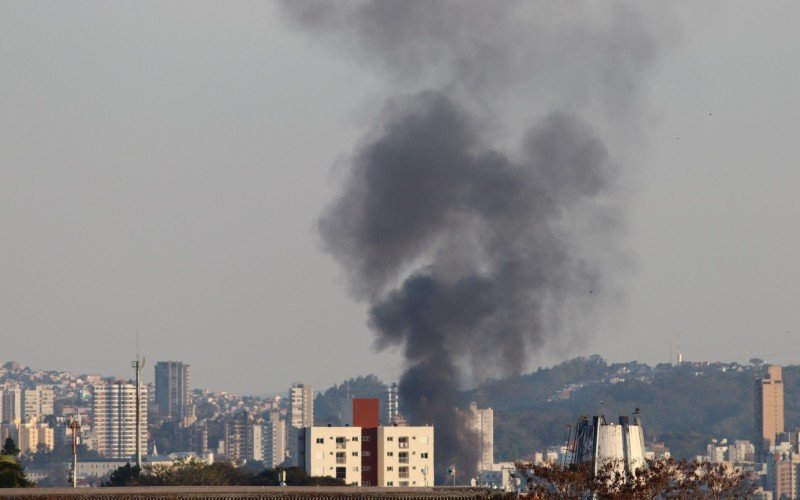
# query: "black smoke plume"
{"type": "Point", "coordinates": [462, 244]}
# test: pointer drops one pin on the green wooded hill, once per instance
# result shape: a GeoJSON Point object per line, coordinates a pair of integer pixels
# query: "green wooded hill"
{"type": "Point", "coordinates": [684, 406]}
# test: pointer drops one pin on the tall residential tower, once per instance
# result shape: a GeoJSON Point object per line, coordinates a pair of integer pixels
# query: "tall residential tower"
{"type": "Point", "coordinates": [114, 418]}
{"type": "Point", "coordinates": [301, 415]}
{"type": "Point", "coordinates": [391, 405]}
{"type": "Point", "coordinates": [769, 408]}
{"type": "Point", "coordinates": [172, 389]}
{"type": "Point", "coordinates": [482, 424]}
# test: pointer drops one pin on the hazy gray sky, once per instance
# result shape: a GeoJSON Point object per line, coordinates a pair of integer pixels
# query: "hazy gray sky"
{"type": "Point", "coordinates": [163, 167]}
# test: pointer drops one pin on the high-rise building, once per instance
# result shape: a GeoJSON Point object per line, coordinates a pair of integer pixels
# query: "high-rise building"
{"type": "Point", "coordinates": [37, 402]}
{"type": "Point", "coordinates": [782, 474]}
{"type": "Point", "coordinates": [243, 437]}
{"type": "Point", "coordinates": [301, 405]}
{"type": "Point", "coordinates": [12, 405]}
{"type": "Point", "coordinates": [172, 389]}
{"type": "Point", "coordinates": [769, 408]}
{"type": "Point", "coordinates": [114, 419]}
{"type": "Point", "coordinates": [391, 405]}
{"type": "Point", "coordinates": [256, 444]}
{"type": "Point", "coordinates": [482, 425]}
{"type": "Point", "coordinates": [301, 415]}
{"type": "Point", "coordinates": [193, 438]}
{"type": "Point", "coordinates": [274, 441]}
{"type": "Point", "coordinates": [236, 436]}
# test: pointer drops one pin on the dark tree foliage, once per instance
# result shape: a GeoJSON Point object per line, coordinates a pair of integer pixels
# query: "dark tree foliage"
{"type": "Point", "coordinates": [331, 405]}
{"type": "Point", "coordinates": [57, 476]}
{"type": "Point", "coordinates": [60, 454]}
{"type": "Point", "coordinates": [12, 474]}
{"type": "Point", "coordinates": [196, 473]}
{"type": "Point", "coordinates": [10, 448]}
{"type": "Point", "coordinates": [164, 436]}
{"type": "Point", "coordinates": [127, 475]}
{"type": "Point", "coordinates": [684, 406]}
{"type": "Point", "coordinates": [660, 478]}
{"type": "Point", "coordinates": [296, 476]}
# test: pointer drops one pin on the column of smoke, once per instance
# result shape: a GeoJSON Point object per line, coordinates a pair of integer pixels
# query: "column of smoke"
{"type": "Point", "coordinates": [459, 243]}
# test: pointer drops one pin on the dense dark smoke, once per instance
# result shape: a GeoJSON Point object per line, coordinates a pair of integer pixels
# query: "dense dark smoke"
{"type": "Point", "coordinates": [461, 243]}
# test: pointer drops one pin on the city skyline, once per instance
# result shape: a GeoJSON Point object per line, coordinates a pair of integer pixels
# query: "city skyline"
{"type": "Point", "coordinates": [384, 244]}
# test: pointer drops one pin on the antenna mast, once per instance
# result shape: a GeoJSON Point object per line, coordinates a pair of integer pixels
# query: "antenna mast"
{"type": "Point", "coordinates": [137, 366]}
{"type": "Point", "coordinates": [74, 425]}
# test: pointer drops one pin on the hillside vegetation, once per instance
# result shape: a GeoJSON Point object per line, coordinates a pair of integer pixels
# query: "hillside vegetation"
{"type": "Point", "coordinates": [684, 406]}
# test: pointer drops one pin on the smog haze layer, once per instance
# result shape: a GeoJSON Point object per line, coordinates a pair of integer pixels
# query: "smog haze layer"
{"type": "Point", "coordinates": [164, 168]}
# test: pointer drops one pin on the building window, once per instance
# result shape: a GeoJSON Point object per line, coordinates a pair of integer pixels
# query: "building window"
{"type": "Point", "coordinates": [403, 483]}
{"type": "Point", "coordinates": [365, 453]}
{"type": "Point", "coordinates": [403, 457]}
{"type": "Point", "coordinates": [341, 443]}
{"type": "Point", "coordinates": [341, 472]}
{"type": "Point", "coordinates": [389, 453]}
{"type": "Point", "coordinates": [423, 455]}
{"type": "Point", "coordinates": [355, 438]}
{"type": "Point", "coordinates": [390, 438]}
{"type": "Point", "coordinates": [355, 453]}
{"type": "Point", "coordinates": [340, 457]}
{"type": "Point", "coordinates": [365, 438]}
{"type": "Point", "coordinates": [366, 468]}
{"type": "Point", "coordinates": [320, 440]}
{"type": "Point", "coordinates": [403, 473]}
{"type": "Point", "coordinates": [403, 442]}
{"type": "Point", "coordinates": [365, 483]}
{"type": "Point", "coordinates": [355, 469]}
{"type": "Point", "coordinates": [389, 468]}
{"type": "Point", "coordinates": [389, 483]}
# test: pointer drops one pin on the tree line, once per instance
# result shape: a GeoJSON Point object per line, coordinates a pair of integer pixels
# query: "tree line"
{"type": "Point", "coordinates": [193, 472]}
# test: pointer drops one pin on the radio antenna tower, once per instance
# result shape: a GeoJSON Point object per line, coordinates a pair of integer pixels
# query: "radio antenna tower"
{"type": "Point", "coordinates": [137, 366]}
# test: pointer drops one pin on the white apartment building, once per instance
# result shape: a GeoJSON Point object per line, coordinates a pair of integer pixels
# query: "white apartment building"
{"type": "Point", "coordinates": [12, 404]}
{"type": "Point", "coordinates": [114, 419]}
{"type": "Point", "coordinates": [274, 441]}
{"type": "Point", "coordinates": [37, 402]}
{"type": "Point", "coordinates": [482, 424]}
{"type": "Point", "coordinates": [256, 436]}
{"type": "Point", "coordinates": [391, 405]}
{"type": "Point", "coordinates": [300, 416]}
{"type": "Point", "coordinates": [301, 405]}
{"type": "Point", "coordinates": [405, 456]}
{"type": "Point", "coordinates": [334, 452]}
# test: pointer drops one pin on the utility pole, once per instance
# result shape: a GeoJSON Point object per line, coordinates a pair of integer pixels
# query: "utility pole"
{"type": "Point", "coordinates": [74, 425]}
{"type": "Point", "coordinates": [137, 367]}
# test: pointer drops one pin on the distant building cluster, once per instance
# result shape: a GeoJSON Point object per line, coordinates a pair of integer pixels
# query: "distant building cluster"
{"type": "Point", "coordinates": [26, 416]}
{"type": "Point", "coordinates": [374, 448]}
{"type": "Point", "coordinates": [370, 445]}
{"type": "Point", "coordinates": [773, 455]}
